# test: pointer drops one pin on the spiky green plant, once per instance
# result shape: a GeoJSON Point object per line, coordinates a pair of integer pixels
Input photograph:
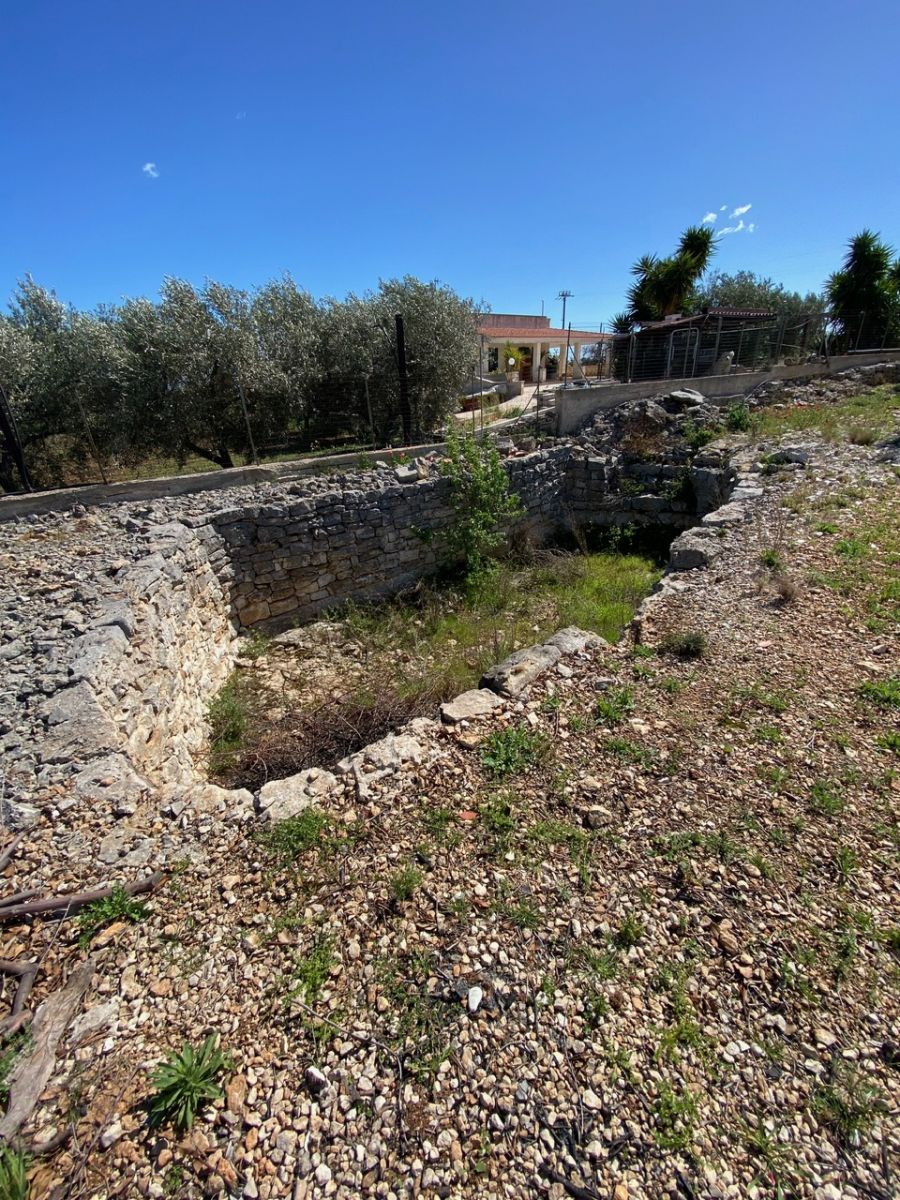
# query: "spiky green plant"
{"type": "Point", "coordinates": [186, 1080]}
{"type": "Point", "coordinates": [14, 1167]}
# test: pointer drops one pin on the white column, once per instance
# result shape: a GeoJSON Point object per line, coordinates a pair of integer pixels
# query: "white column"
{"type": "Point", "coordinates": [536, 363]}
{"type": "Point", "coordinates": [562, 360]}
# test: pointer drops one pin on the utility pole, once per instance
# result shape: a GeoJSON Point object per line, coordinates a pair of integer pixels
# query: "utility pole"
{"type": "Point", "coordinates": [405, 413]}
{"type": "Point", "coordinates": [564, 295]}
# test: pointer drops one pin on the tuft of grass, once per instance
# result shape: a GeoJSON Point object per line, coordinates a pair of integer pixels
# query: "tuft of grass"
{"type": "Point", "coordinates": [118, 906]}
{"type": "Point", "coordinates": [15, 1164]}
{"type": "Point", "coordinates": [615, 705]}
{"type": "Point", "coordinates": [846, 863]}
{"type": "Point", "coordinates": [309, 830]}
{"type": "Point", "coordinates": [885, 692]}
{"type": "Point", "coordinates": [404, 884]}
{"type": "Point", "coordinates": [631, 752]}
{"type": "Point", "coordinates": [889, 741]}
{"type": "Point", "coordinates": [513, 750]}
{"type": "Point", "coordinates": [227, 716]}
{"type": "Point", "coordinates": [310, 972]}
{"type": "Point", "coordinates": [848, 1105]}
{"type": "Point", "coordinates": [186, 1079]}
{"type": "Point", "coordinates": [629, 933]}
{"type": "Point", "coordinates": [497, 821]}
{"type": "Point", "coordinates": [824, 800]}
{"type": "Point", "coordinates": [676, 1115]}
{"type": "Point", "coordinates": [772, 560]}
{"type": "Point", "coordinates": [690, 643]}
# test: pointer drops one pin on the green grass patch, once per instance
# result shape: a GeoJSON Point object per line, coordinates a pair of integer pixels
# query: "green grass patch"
{"type": "Point", "coordinates": [513, 750]}
{"type": "Point", "coordinates": [885, 693]}
{"type": "Point", "coordinates": [118, 906]}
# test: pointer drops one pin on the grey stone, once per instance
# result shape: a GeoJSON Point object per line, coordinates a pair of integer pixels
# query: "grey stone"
{"type": "Point", "coordinates": [477, 702]}
{"type": "Point", "coordinates": [728, 514]}
{"type": "Point", "coordinates": [97, 653]}
{"type": "Point", "coordinates": [693, 549]}
{"type": "Point", "coordinates": [18, 815]}
{"type": "Point", "coordinates": [573, 640]}
{"type": "Point", "coordinates": [112, 780]}
{"type": "Point", "coordinates": [280, 799]}
{"type": "Point", "coordinates": [515, 673]}
{"type": "Point", "coordinates": [685, 397]}
{"type": "Point", "coordinates": [77, 726]}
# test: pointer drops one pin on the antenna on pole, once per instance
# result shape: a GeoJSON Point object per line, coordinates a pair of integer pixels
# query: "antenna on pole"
{"type": "Point", "coordinates": [564, 295]}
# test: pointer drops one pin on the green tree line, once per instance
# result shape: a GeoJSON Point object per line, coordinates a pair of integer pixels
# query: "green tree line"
{"type": "Point", "coordinates": [211, 371]}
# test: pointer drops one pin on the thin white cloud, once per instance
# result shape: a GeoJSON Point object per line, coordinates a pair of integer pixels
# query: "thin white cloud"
{"type": "Point", "coordinates": [739, 228]}
{"type": "Point", "coordinates": [740, 210]}
{"type": "Point", "coordinates": [241, 116]}
{"type": "Point", "coordinates": [151, 170]}
{"type": "Point", "coordinates": [709, 219]}
{"type": "Point", "coordinates": [751, 227]}
{"type": "Point", "coordinates": [722, 209]}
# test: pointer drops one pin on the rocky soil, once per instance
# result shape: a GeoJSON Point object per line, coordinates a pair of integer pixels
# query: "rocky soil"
{"type": "Point", "coordinates": [631, 933]}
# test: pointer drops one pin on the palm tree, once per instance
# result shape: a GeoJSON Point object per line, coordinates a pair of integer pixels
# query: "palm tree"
{"type": "Point", "coordinates": [664, 286]}
{"type": "Point", "coordinates": [865, 293]}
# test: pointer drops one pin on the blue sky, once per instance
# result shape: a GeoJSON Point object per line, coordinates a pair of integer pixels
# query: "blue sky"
{"type": "Point", "coordinates": [510, 150]}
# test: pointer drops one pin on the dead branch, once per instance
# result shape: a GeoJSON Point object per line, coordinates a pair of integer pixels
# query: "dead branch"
{"type": "Point", "coordinates": [67, 904]}
{"type": "Point", "coordinates": [7, 853]}
{"type": "Point", "coordinates": [17, 898]}
{"type": "Point", "coordinates": [35, 1065]}
{"type": "Point", "coordinates": [26, 973]}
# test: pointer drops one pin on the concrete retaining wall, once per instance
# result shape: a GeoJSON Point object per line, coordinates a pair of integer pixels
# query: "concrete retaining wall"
{"type": "Point", "coordinates": [575, 407]}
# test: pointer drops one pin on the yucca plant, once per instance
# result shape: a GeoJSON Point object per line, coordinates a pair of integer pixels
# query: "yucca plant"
{"type": "Point", "coordinates": [187, 1079]}
{"type": "Point", "coordinates": [14, 1165]}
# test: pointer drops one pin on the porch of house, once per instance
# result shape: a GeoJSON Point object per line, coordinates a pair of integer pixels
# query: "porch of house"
{"type": "Point", "coordinates": [547, 355]}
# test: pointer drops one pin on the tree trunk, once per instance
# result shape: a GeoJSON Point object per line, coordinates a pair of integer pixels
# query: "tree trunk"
{"type": "Point", "coordinates": [221, 456]}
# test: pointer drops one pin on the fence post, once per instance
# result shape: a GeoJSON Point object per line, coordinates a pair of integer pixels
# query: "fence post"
{"type": "Point", "coordinates": [862, 321]}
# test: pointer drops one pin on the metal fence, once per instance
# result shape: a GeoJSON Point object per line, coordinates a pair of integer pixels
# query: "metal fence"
{"type": "Point", "coordinates": [686, 348]}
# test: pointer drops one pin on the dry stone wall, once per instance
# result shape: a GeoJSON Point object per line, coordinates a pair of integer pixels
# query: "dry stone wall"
{"type": "Point", "coordinates": [120, 623]}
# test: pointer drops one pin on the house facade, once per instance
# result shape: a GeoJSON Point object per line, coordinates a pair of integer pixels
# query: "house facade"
{"type": "Point", "coordinates": [537, 342]}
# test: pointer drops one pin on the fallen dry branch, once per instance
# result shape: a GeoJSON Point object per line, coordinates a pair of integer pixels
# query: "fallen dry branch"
{"type": "Point", "coordinates": [18, 898]}
{"type": "Point", "coordinates": [26, 973]}
{"type": "Point", "coordinates": [35, 1065]}
{"type": "Point", "coordinates": [7, 853]}
{"type": "Point", "coordinates": [68, 904]}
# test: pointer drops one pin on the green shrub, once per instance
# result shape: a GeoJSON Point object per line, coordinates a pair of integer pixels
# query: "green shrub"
{"type": "Point", "coordinates": [737, 417]}
{"type": "Point", "coordinates": [187, 1079]}
{"type": "Point", "coordinates": [227, 716]}
{"type": "Point", "coordinates": [885, 693]}
{"type": "Point", "coordinates": [481, 500]}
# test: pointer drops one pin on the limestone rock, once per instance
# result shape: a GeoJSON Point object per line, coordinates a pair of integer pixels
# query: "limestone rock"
{"type": "Point", "coordinates": [111, 780]}
{"type": "Point", "coordinates": [693, 549]}
{"type": "Point", "coordinates": [77, 726]}
{"type": "Point", "coordinates": [97, 652]}
{"type": "Point", "coordinates": [573, 640]}
{"type": "Point", "coordinates": [281, 799]}
{"type": "Point", "coordinates": [515, 673]}
{"type": "Point", "coordinates": [477, 702]}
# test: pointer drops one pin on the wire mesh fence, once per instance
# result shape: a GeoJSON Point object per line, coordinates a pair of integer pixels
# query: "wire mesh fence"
{"type": "Point", "coordinates": [722, 344]}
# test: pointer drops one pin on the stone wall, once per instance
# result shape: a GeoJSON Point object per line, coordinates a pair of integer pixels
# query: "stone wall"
{"type": "Point", "coordinates": [112, 662]}
{"type": "Point", "coordinates": [284, 563]}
